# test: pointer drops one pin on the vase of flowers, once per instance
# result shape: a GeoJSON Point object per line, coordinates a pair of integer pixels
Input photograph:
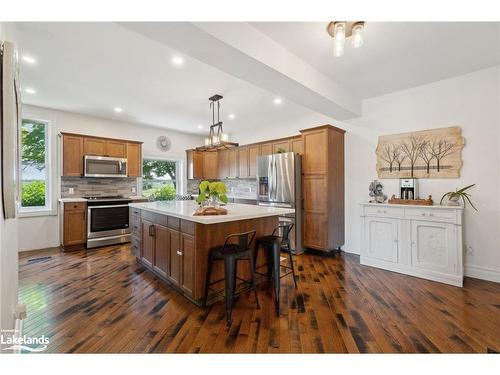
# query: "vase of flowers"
{"type": "Point", "coordinates": [212, 194]}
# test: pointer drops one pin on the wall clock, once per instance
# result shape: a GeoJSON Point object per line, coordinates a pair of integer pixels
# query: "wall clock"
{"type": "Point", "coordinates": [163, 143]}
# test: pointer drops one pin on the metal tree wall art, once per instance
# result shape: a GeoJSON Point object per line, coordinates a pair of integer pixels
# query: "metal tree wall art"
{"type": "Point", "coordinates": [432, 153]}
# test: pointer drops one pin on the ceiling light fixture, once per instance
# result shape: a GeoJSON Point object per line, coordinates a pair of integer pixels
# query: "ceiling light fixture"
{"type": "Point", "coordinates": [277, 101]}
{"type": "Point", "coordinates": [28, 59]}
{"type": "Point", "coordinates": [341, 30]}
{"type": "Point", "coordinates": [30, 90]}
{"type": "Point", "coordinates": [216, 139]}
{"type": "Point", "coordinates": [177, 60]}
{"type": "Point", "coordinates": [231, 116]}
{"type": "Point", "coordinates": [200, 126]}
{"type": "Point", "coordinates": [118, 110]}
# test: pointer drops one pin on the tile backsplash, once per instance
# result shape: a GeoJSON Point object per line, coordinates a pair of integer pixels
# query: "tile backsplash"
{"type": "Point", "coordinates": [85, 186]}
{"type": "Point", "coordinates": [236, 188]}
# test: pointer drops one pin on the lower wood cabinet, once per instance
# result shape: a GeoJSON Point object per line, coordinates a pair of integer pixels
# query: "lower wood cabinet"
{"type": "Point", "coordinates": [175, 266]}
{"type": "Point", "coordinates": [74, 225]}
{"type": "Point", "coordinates": [147, 242]}
{"type": "Point", "coordinates": [422, 241]}
{"type": "Point", "coordinates": [187, 263]}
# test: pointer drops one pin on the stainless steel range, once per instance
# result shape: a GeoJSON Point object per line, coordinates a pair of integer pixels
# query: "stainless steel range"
{"type": "Point", "coordinates": [108, 221]}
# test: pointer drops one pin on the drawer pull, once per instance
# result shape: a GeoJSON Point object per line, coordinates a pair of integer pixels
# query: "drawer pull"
{"type": "Point", "coordinates": [179, 252]}
{"type": "Point", "coordinates": [431, 214]}
{"type": "Point", "coordinates": [423, 213]}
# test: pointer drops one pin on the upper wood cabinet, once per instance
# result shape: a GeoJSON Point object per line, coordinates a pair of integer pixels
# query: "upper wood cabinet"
{"type": "Point", "coordinates": [223, 163]}
{"type": "Point", "coordinates": [323, 187]}
{"type": "Point", "coordinates": [233, 163]}
{"type": "Point", "coordinates": [243, 171]}
{"type": "Point", "coordinates": [194, 164]}
{"type": "Point", "coordinates": [281, 145]}
{"type": "Point", "coordinates": [72, 155]}
{"type": "Point", "coordinates": [266, 148]}
{"type": "Point", "coordinates": [116, 149]}
{"type": "Point", "coordinates": [296, 145]}
{"type": "Point", "coordinates": [94, 146]}
{"type": "Point", "coordinates": [76, 146]}
{"type": "Point", "coordinates": [253, 153]}
{"type": "Point", "coordinates": [210, 165]}
{"type": "Point", "coordinates": [134, 159]}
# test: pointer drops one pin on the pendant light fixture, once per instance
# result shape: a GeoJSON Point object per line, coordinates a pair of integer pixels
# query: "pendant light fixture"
{"type": "Point", "coordinates": [341, 30]}
{"type": "Point", "coordinates": [216, 139]}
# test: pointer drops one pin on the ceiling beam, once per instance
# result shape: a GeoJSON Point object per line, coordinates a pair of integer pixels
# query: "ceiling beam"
{"type": "Point", "coordinates": [242, 51]}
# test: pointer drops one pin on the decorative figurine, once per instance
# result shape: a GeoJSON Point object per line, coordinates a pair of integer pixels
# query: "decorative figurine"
{"type": "Point", "coordinates": [376, 192]}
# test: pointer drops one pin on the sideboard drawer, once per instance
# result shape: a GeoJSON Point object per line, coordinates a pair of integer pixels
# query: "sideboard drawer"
{"type": "Point", "coordinates": [383, 211]}
{"type": "Point", "coordinates": [430, 214]}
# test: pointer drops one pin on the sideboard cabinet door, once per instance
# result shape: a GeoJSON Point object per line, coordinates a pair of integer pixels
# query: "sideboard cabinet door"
{"type": "Point", "coordinates": [433, 246]}
{"type": "Point", "coordinates": [382, 238]}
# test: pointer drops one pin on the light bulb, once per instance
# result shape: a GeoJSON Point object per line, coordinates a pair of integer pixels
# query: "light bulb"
{"type": "Point", "coordinates": [339, 31]}
{"type": "Point", "coordinates": [207, 141]}
{"type": "Point", "coordinates": [224, 137]}
{"type": "Point", "coordinates": [338, 48]}
{"type": "Point", "coordinates": [357, 36]}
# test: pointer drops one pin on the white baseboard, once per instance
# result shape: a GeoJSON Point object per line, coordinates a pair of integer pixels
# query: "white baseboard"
{"type": "Point", "coordinates": [483, 273]}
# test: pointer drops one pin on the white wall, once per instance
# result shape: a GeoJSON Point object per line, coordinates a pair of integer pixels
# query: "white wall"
{"type": "Point", "coordinates": [45, 229]}
{"type": "Point", "coordinates": [8, 254]}
{"type": "Point", "coordinates": [470, 101]}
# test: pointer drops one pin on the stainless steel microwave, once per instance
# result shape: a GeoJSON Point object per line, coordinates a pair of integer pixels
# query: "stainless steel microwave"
{"type": "Point", "coordinates": [104, 166]}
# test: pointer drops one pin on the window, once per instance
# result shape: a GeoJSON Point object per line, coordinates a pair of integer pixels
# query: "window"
{"type": "Point", "coordinates": [35, 170]}
{"type": "Point", "coordinates": [161, 178]}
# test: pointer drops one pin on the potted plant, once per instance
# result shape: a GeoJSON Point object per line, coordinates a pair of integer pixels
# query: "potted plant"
{"type": "Point", "coordinates": [212, 193]}
{"type": "Point", "coordinates": [454, 196]}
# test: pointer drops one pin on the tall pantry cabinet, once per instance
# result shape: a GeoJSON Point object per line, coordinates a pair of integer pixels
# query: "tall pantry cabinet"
{"type": "Point", "coordinates": [323, 187]}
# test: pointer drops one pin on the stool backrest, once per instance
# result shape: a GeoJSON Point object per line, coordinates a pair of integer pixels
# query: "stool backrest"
{"type": "Point", "coordinates": [286, 229]}
{"type": "Point", "coordinates": [245, 239]}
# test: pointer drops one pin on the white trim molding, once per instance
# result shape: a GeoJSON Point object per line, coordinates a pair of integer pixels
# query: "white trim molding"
{"type": "Point", "coordinates": [483, 273]}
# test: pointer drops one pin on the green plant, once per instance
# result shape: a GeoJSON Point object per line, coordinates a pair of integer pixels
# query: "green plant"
{"type": "Point", "coordinates": [163, 193]}
{"type": "Point", "coordinates": [457, 194]}
{"type": "Point", "coordinates": [280, 150]}
{"type": "Point", "coordinates": [215, 190]}
{"type": "Point", "coordinates": [33, 193]}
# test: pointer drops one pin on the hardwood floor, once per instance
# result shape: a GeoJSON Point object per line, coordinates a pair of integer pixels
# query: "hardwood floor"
{"type": "Point", "coordinates": [102, 301]}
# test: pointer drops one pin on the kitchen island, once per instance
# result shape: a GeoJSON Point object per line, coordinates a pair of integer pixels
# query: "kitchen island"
{"type": "Point", "coordinates": [173, 244]}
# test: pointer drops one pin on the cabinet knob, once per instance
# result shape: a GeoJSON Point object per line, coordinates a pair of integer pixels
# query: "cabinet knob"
{"type": "Point", "coordinates": [179, 252]}
{"type": "Point", "coordinates": [423, 213]}
{"type": "Point", "coordinates": [431, 214]}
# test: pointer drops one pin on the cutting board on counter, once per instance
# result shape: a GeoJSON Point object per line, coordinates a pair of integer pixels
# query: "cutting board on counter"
{"type": "Point", "coordinates": [210, 211]}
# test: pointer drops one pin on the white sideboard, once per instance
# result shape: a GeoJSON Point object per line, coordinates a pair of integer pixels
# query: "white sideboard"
{"type": "Point", "coordinates": [421, 241]}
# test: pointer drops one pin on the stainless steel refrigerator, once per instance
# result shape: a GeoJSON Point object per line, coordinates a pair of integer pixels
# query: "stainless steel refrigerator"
{"type": "Point", "coordinates": [279, 185]}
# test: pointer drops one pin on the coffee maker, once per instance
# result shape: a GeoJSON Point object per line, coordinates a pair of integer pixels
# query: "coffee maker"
{"type": "Point", "coordinates": [408, 188]}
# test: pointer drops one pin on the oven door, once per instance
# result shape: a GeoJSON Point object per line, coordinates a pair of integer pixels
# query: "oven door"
{"type": "Point", "coordinates": [105, 221]}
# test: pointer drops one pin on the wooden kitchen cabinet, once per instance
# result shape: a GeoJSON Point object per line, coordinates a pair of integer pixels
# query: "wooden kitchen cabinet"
{"type": "Point", "coordinates": [233, 163]}
{"type": "Point", "coordinates": [147, 242]}
{"type": "Point", "coordinates": [161, 251]}
{"type": "Point", "coordinates": [210, 165]}
{"type": "Point", "coordinates": [223, 162]}
{"type": "Point", "coordinates": [195, 164]}
{"type": "Point", "coordinates": [187, 263]}
{"type": "Point", "coordinates": [74, 225]}
{"type": "Point", "coordinates": [281, 145]}
{"type": "Point", "coordinates": [116, 149]}
{"type": "Point", "coordinates": [243, 162]}
{"type": "Point", "coordinates": [266, 149]}
{"type": "Point", "coordinates": [296, 145]}
{"type": "Point", "coordinates": [134, 159]}
{"type": "Point", "coordinates": [72, 155]}
{"type": "Point", "coordinates": [253, 153]}
{"type": "Point", "coordinates": [323, 187]}
{"type": "Point", "coordinates": [94, 146]}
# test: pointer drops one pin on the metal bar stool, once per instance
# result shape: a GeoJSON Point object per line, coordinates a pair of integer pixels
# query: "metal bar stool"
{"type": "Point", "coordinates": [273, 245]}
{"type": "Point", "coordinates": [231, 253]}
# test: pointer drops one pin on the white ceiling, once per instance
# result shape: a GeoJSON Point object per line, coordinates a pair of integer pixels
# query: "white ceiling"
{"type": "Point", "coordinates": [396, 55]}
{"type": "Point", "coordinates": [91, 68]}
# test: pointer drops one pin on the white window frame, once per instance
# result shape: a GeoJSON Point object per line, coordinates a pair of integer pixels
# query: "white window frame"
{"type": "Point", "coordinates": [50, 207]}
{"type": "Point", "coordinates": [179, 172]}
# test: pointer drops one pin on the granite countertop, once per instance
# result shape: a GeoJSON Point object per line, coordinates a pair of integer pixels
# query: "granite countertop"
{"type": "Point", "coordinates": [80, 199]}
{"type": "Point", "coordinates": [185, 210]}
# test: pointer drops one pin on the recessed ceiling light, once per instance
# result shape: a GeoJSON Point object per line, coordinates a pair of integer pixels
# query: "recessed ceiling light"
{"type": "Point", "coordinates": [231, 116]}
{"type": "Point", "coordinates": [28, 59]}
{"type": "Point", "coordinates": [118, 110]}
{"type": "Point", "coordinates": [277, 101]}
{"type": "Point", "coordinates": [30, 90]}
{"type": "Point", "coordinates": [177, 60]}
{"type": "Point", "coordinates": [200, 126]}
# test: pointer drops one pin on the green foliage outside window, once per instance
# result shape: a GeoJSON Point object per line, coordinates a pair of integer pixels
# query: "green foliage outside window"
{"type": "Point", "coordinates": [163, 193]}
{"type": "Point", "coordinates": [33, 193]}
{"type": "Point", "coordinates": [159, 179]}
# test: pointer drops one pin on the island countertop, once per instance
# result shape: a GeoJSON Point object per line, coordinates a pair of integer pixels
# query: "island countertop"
{"type": "Point", "coordinates": [185, 209]}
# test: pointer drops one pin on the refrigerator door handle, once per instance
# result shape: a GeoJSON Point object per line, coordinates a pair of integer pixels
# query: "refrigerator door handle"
{"type": "Point", "coordinates": [276, 179]}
